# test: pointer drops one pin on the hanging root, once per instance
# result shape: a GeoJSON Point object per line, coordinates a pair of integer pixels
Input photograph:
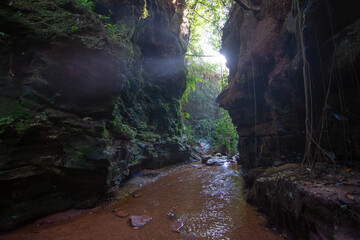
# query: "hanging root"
{"type": "Point", "coordinates": [314, 137]}
{"type": "Point", "coordinates": [307, 92]}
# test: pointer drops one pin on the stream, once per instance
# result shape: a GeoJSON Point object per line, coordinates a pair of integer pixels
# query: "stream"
{"type": "Point", "coordinates": [208, 200]}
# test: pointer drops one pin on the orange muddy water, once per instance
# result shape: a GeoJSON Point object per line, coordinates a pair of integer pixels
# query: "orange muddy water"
{"type": "Point", "coordinates": [209, 200]}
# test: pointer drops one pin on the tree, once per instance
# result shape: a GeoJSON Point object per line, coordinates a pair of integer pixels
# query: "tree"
{"type": "Point", "coordinates": [205, 19]}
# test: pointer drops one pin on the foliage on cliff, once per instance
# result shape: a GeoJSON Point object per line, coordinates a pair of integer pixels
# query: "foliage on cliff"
{"type": "Point", "coordinates": [205, 20]}
{"type": "Point", "coordinates": [204, 120]}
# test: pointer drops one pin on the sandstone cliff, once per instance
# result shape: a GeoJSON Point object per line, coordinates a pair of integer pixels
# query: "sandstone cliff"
{"type": "Point", "coordinates": [293, 93]}
{"type": "Point", "coordinates": [264, 46]}
{"type": "Point", "coordinates": [82, 103]}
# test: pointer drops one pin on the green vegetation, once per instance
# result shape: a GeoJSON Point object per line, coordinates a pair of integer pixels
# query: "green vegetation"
{"type": "Point", "coordinates": [107, 138]}
{"type": "Point", "coordinates": [5, 121]}
{"type": "Point", "coordinates": [85, 4]}
{"type": "Point", "coordinates": [50, 20]}
{"type": "Point", "coordinates": [145, 12]}
{"type": "Point", "coordinates": [123, 128]}
{"type": "Point", "coordinates": [205, 20]}
{"type": "Point", "coordinates": [204, 120]}
{"type": "Point", "coordinates": [225, 134]}
{"type": "Point", "coordinates": [4, 38]}
{"type": "Point", "coordinates": [20, 125]}
{"type": "Point", "coordinates": [14, 115]}
{"type": "Point", "coordinates": [106, 134]}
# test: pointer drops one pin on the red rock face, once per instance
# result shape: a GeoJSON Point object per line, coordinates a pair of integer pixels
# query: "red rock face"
{"type": "Point", "coordinates": [265, 94]}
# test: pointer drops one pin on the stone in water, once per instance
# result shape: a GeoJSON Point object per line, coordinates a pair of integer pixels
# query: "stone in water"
{"type": "Point", "coordinates": [140, 221]}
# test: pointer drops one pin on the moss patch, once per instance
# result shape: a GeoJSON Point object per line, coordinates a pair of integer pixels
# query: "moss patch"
{"type": "Point", "coordinates": [55, 20]}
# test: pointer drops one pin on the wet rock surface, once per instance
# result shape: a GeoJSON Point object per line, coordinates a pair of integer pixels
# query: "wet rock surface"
{"type": "Point", "coordinates": [187, 203]}
{"type": "Point", "coordinates": [205, 158]}
{"type": "Point", "coordinates": [217, 159]}
{"type": "Point", "coordinates": [308, 203]}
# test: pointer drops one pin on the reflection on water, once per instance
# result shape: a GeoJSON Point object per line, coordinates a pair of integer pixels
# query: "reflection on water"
{"type": "Point", "coordinates": [223, 199]}
{"type": "Point", "coordinates": [209, 199]}
{"type": "Point", "coordinates": [219, 205]}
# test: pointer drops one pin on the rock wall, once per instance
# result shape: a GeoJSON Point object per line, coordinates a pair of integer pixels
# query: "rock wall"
{"type": "Point", "coordinates": [294, 91]}
{"type": "Point", "coordinates": [305, 205]}
{"type": "Point", "coordinates": [83, 103]}
{"type": "Point", "coordinates": [264, 43]}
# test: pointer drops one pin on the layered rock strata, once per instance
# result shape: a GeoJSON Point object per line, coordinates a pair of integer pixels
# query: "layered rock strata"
{"type": "Point", "coordinates": [293, 90]}
{"type": "Point", "coordinates": [87, 93]}
{"type": "Point", "coordinates": [266, 45]}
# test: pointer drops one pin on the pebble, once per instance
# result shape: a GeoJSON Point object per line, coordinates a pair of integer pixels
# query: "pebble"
{"type": "Point", "coordinates": [177, 226]}
{"type": "Point", "coordinates": [122, 214]}
{"type": "Point", "coordinates": [140, 221]}
{"type": "Point", "coordinates": [197, 166]}
{"type": "Point", "coordinates": [172, 216]}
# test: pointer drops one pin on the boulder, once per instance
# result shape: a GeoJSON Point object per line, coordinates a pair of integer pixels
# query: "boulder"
{"type": "Point", "coordinates": [194, 157]}
{"type": "Point", "coordinates": [216, 161]}
{"type": "Point", "coordinates": [205, 158]}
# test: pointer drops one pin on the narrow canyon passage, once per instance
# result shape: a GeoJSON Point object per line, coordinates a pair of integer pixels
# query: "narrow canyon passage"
{"type": "Point", "coordinates": [209, 200]}
{"type": "Point", "coordinates": [98, 94]}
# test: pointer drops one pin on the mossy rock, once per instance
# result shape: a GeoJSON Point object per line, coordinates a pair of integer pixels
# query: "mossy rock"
{"type": "Point", "coordinates": [55, 20]}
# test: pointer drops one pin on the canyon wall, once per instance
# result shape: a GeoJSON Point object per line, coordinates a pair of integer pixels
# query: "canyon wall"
{"type": "Point", "coordinates": [266, 44]}
{"type": "Point", "coordinates": [88, 94]}
{"type": "Point", "coordinates": [293, 94]}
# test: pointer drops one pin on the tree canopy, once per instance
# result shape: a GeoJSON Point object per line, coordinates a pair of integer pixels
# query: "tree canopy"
{"type": "Point", "coordinates": [205, 19]}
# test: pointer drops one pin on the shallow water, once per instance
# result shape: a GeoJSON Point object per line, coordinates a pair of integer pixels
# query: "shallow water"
{"type": "Point", "coordinates": [209, 200]}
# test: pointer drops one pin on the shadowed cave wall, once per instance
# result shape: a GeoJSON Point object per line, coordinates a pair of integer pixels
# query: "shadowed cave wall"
{"type": "Point", "coordinates": [84, 103]}
{"type": "Point", "coordinates": [265, 96]}
{"type": "Point", "coordinates": [271, 100]}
